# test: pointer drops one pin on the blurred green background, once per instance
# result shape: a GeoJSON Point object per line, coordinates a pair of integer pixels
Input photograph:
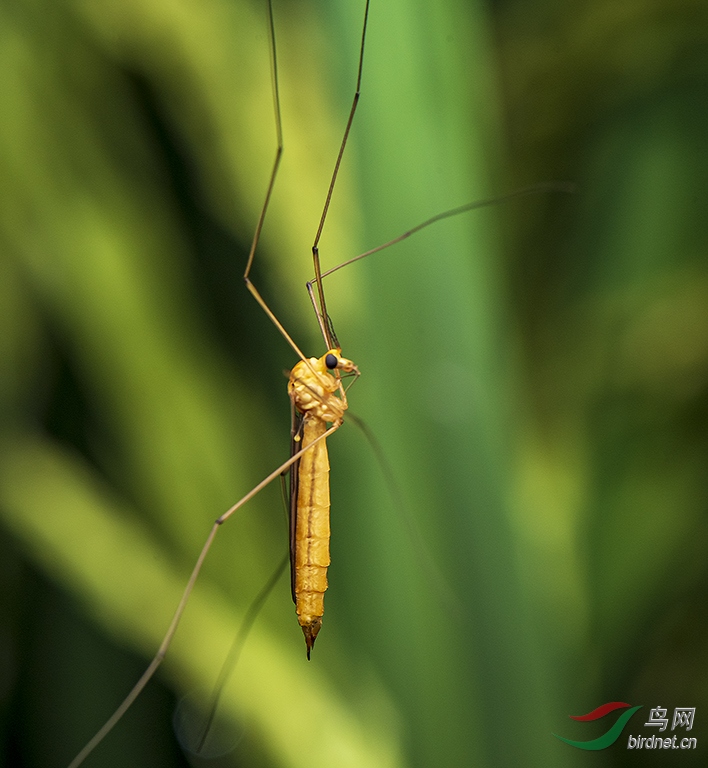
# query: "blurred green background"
{"type": "Point", "coordinates": [535, 374]}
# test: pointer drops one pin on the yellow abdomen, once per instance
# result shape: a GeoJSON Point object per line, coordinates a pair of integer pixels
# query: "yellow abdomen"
{"type": "Point", "coordinates": [311, 553]}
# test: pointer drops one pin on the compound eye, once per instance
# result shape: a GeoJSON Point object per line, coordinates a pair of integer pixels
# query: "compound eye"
{"type": "Point", "coordinates": [331, 361]}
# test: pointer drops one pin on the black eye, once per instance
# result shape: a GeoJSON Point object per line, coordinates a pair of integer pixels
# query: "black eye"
{"type": "Point", "coordinates": [331, 361]}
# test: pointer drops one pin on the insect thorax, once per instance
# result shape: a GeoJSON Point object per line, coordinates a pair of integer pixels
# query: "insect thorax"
{"type": "Point", "coordinates": [312, 386]}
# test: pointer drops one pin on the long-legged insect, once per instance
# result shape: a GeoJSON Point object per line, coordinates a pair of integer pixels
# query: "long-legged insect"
{"type": "Point", "coordinates": [319, 398]}
{"type": "Point", "coordinates": [401, 353]}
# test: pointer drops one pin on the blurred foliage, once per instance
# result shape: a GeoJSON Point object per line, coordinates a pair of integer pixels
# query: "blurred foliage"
{"type": "Point", "coordinates": [535, 374]}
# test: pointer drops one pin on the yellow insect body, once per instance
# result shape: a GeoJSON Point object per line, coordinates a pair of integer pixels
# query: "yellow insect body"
{"type": "Point", "coordinates": [312, 389]}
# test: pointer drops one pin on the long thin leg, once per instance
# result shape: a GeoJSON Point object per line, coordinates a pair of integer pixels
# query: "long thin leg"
{"type": "Point", "coordinates": [548, 186]}
{"type": "Point", "coordinates": [271, 184]}
{"type": "Point", "coordinates": [162, 650]}
{"type": "Point", "coordinates": [321, 311]}
{"type": "Point", "coordinates": [237, 646]}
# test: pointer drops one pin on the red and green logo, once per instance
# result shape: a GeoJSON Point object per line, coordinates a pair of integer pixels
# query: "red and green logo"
{"type": "Point", "coordinates": [610, 736]}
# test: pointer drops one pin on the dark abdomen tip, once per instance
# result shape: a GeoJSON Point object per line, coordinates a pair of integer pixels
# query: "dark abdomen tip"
{"type": "Point", "coordinates": [310, 631]}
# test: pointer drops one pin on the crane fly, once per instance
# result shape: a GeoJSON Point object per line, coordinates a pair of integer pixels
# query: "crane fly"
{"type": "Point", "coordinates": [313, 393]}
{"type": "Point", "coordinates": [319, 402]}
{"type": "Point", "coordinates": [308, 434]}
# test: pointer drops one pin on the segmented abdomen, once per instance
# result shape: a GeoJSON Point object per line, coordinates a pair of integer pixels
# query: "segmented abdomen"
{"type": "Point", "coordinates": [311, 555]}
